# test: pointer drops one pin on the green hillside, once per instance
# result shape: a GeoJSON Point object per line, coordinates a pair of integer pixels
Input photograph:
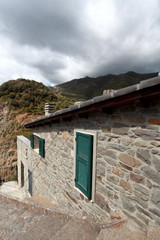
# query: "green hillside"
{"type": "Point", "coordinates": [86, 88]}
{"type": "Point", "coordinates": [30, 96]}
{"type": "Point", "coordinates": [21, 101]}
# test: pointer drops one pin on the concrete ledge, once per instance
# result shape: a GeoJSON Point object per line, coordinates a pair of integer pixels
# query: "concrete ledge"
{"type": "Point", "coordinates": [24, 140]}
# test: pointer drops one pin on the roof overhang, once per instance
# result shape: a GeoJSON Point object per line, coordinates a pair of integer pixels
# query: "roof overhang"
{"type": "Point", "coordinates": [142, 92]}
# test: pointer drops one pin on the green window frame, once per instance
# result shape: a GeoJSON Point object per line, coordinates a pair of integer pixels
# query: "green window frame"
{"type": "Point", "coordinates": [41, 147]}
{"type": "Point", "coordinates": [41, 144]}
{"type": "Point", "coordinates": [32, 140]}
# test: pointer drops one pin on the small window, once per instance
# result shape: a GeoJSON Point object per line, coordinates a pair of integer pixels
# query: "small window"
{"type": "Point", "coordinates": [42, 147]}
{"type": "Point", "coordinates": [38, 144]}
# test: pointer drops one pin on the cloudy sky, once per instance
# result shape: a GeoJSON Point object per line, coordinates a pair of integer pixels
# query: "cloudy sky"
{"type": "Point", "coordinates": [54, 41]}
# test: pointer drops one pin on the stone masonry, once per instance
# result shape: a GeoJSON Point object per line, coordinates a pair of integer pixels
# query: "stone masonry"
{"type": "Point", "coordinates": [127, 163]}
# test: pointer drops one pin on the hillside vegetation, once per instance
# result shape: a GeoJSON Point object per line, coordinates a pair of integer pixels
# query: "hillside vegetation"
{"type": "Point", "coordinates": [86, 88]}
{"type": "Point", "coordinates": [21, 100]}
{"type": "Point", "coordinates": [29, 96]}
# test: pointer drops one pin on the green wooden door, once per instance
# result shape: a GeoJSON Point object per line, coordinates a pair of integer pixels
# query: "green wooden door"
{"type": "Point", "coordinates": [84, 153]}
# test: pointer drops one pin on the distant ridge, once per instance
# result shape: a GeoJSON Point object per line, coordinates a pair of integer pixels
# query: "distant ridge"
{"type": "Point", "coordinates": [87, 87]}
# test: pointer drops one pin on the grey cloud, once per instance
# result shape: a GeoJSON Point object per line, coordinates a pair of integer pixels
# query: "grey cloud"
{"type": "Point", "coordinates": [126, 38]}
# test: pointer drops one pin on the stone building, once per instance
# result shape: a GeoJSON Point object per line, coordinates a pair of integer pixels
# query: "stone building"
{"type": "Point", "coordinates": [99, 155]}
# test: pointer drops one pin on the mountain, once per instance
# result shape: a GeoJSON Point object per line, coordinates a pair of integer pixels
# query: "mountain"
{"type": "Point", "coordinates": [87, 87]}
{"type": "Point", "coordinates": [21, 100]}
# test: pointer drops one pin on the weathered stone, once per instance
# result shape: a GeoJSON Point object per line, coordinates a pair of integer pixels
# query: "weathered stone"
{"type": "Point", "coordinates": [112, 179]}
{"type": "Point", "coordinates": [141, 143]}
{"type": "Point", "coordinates": [101, 138]}
{"type": "Point", "coordinates": [126, 141]}
{"type": "Point", "coordinates": [111, 161]}
{"type": "Point", "coordinates": [141, 196]}
{"type": "Point", "coordinates": [141, 210]}
{"type": "Point", "coordinates": [107, 129]}
{"type": "Point", "coordinates": [101, 202]}
{"type": "Point", "coordinates": [134, 118]}
{"type": "Point", "coordinates": [118, 172]}
{"type": "Point", "coordinates": [143, 218]}
{"type": "Point", "coordinates": [126, 185]}
{"type": "Point", "coordinates": [141, 189]}
{"type": "Point", "coordinates": [115, 117]}
{"type": "Point", "coordinates": [146, 134]}
{"type": "Point", "coordinates": [155, 198]}
{"type": "Point", "coordinates": [151, 174]}
{"type": "Point", "coordinates": [154, 211]}
{"type": "Point", "coordinates": [120, 129]}
{"type": "Point", "coordinates": [129, 160]}
{"type": "Point", "coordinates": [116, 214]}
{"type": "Point", "coordinates": [127, 204]}
{"type": "Point", "coordinates": [125, 166]}
{"type": "Point", "coordinates": [154, 121]}
{"type": "Point", "coordinates": [136, 178]}
{"type": "Point", "coordinates": [100, 148]}
{"type": "Point", "coordinates": [148, 184]}
{"type": "Point", "coordinates": [111, 154]}
{"type": "Point", "coordinates": [110, 194]}
{"type": "Point", "coordinates": [156, 144]}
{"type": "Point", "coordinates": [156, 162]}
{"type": "Point", "coordinates": [65, 136]}
{"type": "Point", "coordinates": [143, 203]}
{"type": "Point", "coordinates": [73, 199]}
{"type": "Point", "coordinates": [144, 155]}
{"type": "Point", "coordinates": [100, 170]}
{"type": "Point", "coordinates": [118, 147]}
{"type": "Point", "coordinates": [136, 170]}
{"type": "Point", "coordinates": [155, 151]}
{"type": "Point", "coordinates": [101, 189]}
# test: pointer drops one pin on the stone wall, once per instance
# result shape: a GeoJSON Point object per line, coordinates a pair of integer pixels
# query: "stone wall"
{"type": "Point", "coordinates": [127, 163]}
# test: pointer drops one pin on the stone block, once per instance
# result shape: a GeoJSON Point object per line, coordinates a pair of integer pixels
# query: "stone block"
{"type": "Point", "coordinates": [141, 143]}
{"type": "Point", "coordinates": [141, 189]}
{"type": "Point", "coordinates": [151, 174]}
{"type": "Point", "coordinates": [144, 155]}
{"type": "Point", "coordinates": [140, 201]}
{"type": "Point", "coordinates": [155, 151]}
{"type": "Point", "coordinates": [136, 178]}
{"type": "Point", "coordinates": [115, 117]}
{"type": "Point", "coordinates": [65, 136]}
{"type": "Point", "coordinates": [156, 144]}
{"type": "Point", "coordinates": [134, 118]}
{"type": "Point", "coordinates": [141, 196]}
{"type": "Point", "coordinates": [154, 121]}
{"type": "Point", "coordinates": [101, 202]}
{"type": "Point", "coordinates": [111, 154]}
{"type": "Point", "coordinates": [113, 179]}
{"type": "Point", "coordinates": [125, 185]}
{"type": "Point", "coordinates": [155, 198]}
{"type": "Point", "coordinates": [120, 129]}
{"type": "Point", "coordinates": [156, 162]}
{"type": "Point", "coordinates": [111, 161]}
{"type": "Point", "coordinates": [125, 166]}
{"type": "Point", "coordinates": [100, 170]}
{"type": "Point", "coordinates": [126, 141]}
{"type": "Point", "coordinates": [145, 212]}
{"type": "Point", "coordinates": [118, 172]}
{"type": "Point", "coordinates": [146, 134]}
{"type": "Point", "coordinates": [155, 211]}
{"type": "Point", "coordinates": [127, 204]}
{"type": "Point", "coordinates": [129, 160]}
{"type": "Point", "coordinates": [118, 147]}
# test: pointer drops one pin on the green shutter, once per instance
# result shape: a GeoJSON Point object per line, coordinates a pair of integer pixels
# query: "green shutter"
{"type": "Point", "coordinates": [32, 140]}
{"type": "Point", "coordinates": [84, 153]}
{"type": "Point", "coordinates": [42, 147]}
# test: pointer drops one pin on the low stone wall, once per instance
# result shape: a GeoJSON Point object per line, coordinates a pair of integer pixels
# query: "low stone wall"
{"type": "Point", "coordinates": [127, 164]}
